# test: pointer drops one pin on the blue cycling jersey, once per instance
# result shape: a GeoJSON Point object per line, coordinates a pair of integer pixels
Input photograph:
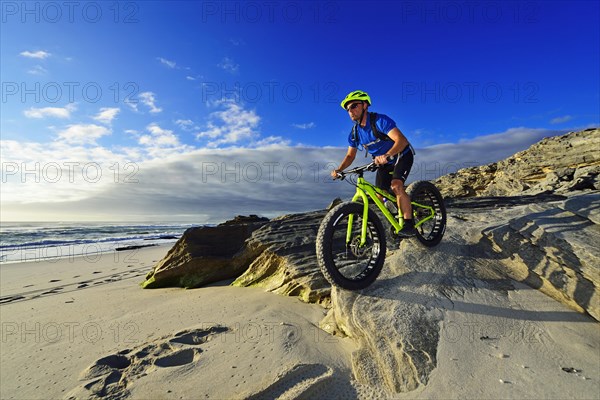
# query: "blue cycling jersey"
{"type": "Point", "coordinates": [367, 138]}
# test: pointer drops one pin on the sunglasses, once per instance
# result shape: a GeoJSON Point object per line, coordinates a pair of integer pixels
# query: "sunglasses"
{"type": "Point", "coordinates": [352, 106]}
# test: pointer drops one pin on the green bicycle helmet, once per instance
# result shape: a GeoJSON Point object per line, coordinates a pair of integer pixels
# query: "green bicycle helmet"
{"type": "Point", "coordinates": [356, 95]}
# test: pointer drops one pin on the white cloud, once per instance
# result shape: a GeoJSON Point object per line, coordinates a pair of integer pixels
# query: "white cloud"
{"type": "Point", "coordinates": [149, 99]}
{"type": "Point", "coordinates": [271, 141]}
{"type": "Point", "coordinates": [54, 112]}
{"type": "Point", "coordinates": [193, 78]}
{"type": "Point", "coordinates": [38, 70]}
{"type": "Point", "coordinates": [106, 115]}
{"type": "Point", "coordinates": [202, 185]}
{"type": "Point", "coordinates": [132, 103]}
{"type": "Point", "coordinates": [168, 63]}
{"type": "Point", "coordinates": [80, 134]}
{"type": "Point", "coordinates": [230, 126]}
{"type": "Point", "coordinates": [309, 125]}
{"type": "Point", "coordinates": [560, 120]}
{"type": "Point", "coordinates": [40, 54]}
{"type": "Point", "coordinates": [60, 174]}
{"type": "Point", "coordinates": [158, 137]}
{"type": "Point", "coordinates": [192, 182]}
{"type": "Point", "coordinates": [229, 65]}
{"type": "Point", "coordinates": [186, 124]}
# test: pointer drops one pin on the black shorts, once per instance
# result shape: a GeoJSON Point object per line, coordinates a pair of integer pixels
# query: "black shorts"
{"type": "Point", "coordinates": [398, 170]}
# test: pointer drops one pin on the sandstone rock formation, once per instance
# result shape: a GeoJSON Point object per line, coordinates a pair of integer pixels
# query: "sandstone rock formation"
{"type": "Point", "coordinates": [286, 262]}
{"type": "Point", "coordinates": [554, 165]}
{"type": "Point", "coordinates": [278, 256]}
{"type": "Point", "coordinates": [555, 247]}
{"type": "Point", "coordinates": [391, 333]}
{"type": "Point", "coordinates": [205, 255]}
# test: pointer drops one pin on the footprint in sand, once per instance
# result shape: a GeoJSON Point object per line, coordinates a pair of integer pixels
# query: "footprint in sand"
{"type": "Point", "coordinates": [97, 272]}
{"type": "Point", "coordinates": [179, 357]}
{"type": "Point", "coordinates": [54, 280]}
{"type": "Point", "coordinates": [110, 375]}
{"type": "Point", "coordinates": [300, 381]}
{"type": "Point", "coordinates": [26, 286]}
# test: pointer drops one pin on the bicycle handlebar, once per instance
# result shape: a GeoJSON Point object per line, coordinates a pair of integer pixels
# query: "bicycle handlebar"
{"type": "Point", "coordinates": [359, 170]}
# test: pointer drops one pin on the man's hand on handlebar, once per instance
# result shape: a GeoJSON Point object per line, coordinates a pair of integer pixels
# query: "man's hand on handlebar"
{"type": "Point", "coordinates": [335, 174]}
{"type": "Point", "coordinates": [382, 159]}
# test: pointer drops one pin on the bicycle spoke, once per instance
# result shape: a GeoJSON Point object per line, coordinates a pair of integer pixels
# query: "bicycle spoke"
{"type": "Point", "coordinates": [347, 258]}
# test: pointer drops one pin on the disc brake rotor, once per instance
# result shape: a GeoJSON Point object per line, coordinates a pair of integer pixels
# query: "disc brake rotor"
{"type": "Point", "coordinates": [358, 250]}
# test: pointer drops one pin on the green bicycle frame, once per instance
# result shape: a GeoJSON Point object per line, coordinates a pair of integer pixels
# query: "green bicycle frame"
{"type": "Point", "coordinates": [364, 190]}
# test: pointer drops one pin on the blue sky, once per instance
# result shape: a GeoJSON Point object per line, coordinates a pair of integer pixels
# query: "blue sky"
{"type": "Point", "coordinates": [173, 95]}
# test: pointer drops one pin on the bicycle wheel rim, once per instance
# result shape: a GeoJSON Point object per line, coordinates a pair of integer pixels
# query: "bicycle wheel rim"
{"type": "Point", "coordinates": [431, 228]}
{"type": "Point", "coordinates": [353, 261]}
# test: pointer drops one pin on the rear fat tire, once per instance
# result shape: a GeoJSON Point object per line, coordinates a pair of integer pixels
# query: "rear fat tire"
{"type": "Point", "coordinates": [324, 246]}
{"type": "Point", "coordinates": [430, 233]}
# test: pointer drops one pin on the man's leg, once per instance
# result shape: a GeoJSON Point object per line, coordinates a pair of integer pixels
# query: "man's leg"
{"type": "Point", "coordinates": [402, 198]}
{"type": "Point", "coordinates": [401, 171]}
{"type": "Point", "coordinates": [383, 179]}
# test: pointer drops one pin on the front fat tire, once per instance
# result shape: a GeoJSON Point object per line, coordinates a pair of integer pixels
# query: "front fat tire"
{"type": "Point", "coordinates": [429, 234]}
{"type": "Point", "coordinates": [324, 246]}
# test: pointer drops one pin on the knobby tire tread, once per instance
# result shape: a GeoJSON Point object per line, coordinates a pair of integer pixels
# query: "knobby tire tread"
{"type": "Point", "coordinates": [413, 190]}
{"type": "Point", "coordinates": [323, 247]}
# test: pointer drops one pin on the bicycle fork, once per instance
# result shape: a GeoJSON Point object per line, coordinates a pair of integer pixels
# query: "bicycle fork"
{"type": "Point", "coordinates": [360, 194]}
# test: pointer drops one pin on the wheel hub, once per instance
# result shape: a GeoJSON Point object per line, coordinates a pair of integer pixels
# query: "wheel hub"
{"type": "Point", "coordinates": [358, 250]}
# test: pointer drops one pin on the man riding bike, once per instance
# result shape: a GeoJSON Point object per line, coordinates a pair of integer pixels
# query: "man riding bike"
{"type": "Point", "coordinates": [378, 134]}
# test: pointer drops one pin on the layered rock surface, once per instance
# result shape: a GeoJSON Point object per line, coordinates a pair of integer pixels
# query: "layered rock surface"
{"type": "Point", "coordinates": [555, 247]}
{"type": "Point", "coordinates": [558, 164]}
{"type": "Point", "coordinates": [205, 255]}
{"type": "Point", "coordinates": [278, 256]}
{"type": "Point", "coordinates": [286, 262]}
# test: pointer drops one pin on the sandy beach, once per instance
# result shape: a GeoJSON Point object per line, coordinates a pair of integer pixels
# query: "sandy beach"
{"type": "Point", "coordinates": [67, 314]}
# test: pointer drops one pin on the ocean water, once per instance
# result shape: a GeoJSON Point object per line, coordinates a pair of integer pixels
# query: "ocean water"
{"type": "Point", "coordinates": [34, 241]}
